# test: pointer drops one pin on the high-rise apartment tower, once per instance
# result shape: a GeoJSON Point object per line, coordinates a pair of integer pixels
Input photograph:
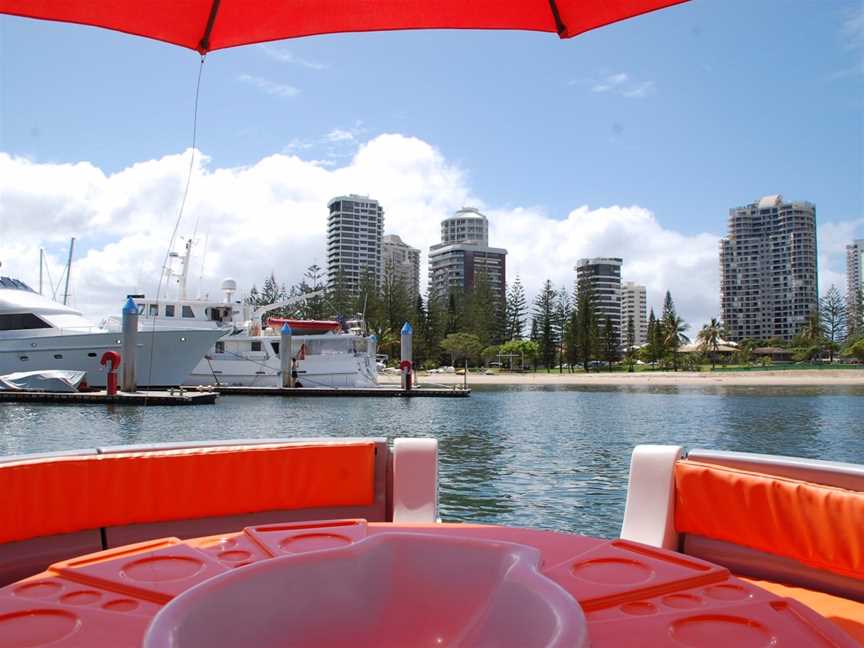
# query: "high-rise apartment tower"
{"type": "Point", "coordinates": [355, 227]}
{"type": "Point", "coordinates": [634, 306]}
{"type": "Point", "coordinates": [404, 261]}
{"type": "Point", "coordinates": [855, 283]}
{"type": "Point", "coordinates": [464, 253]}
{"type": "Point", "coordinates": [603, 275]}
{"type": "Point", "coordinates": [768, 276]}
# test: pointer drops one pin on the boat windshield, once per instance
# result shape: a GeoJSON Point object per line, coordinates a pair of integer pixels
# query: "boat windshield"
{"type": "Point", "coordinates": [21, 322]}
{"type": "Point", "coordinates": [13, 284]}
{"type": "Point", "coordinates": [331, 344]}
{"type": "Point", "coordinates": [68, 321]}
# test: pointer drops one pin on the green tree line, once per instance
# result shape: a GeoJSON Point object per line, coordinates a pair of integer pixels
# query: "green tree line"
{"type": "Point", "coordinates": [560, 330]}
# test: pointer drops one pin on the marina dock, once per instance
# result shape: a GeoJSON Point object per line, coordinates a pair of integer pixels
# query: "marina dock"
{"type": "Point", "coordinates": [173, 397]}
{"type": "Point", "coordinates": [312, 392]}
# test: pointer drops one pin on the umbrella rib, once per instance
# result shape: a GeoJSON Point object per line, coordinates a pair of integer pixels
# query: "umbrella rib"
{"type": "Point", "coordinates": [204, 44]}
{"type": "Point", "coordinates": [560, 27]}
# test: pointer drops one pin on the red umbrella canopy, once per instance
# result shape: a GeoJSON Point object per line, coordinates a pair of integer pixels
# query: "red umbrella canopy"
{"type": "Point", "coordinates": [207, 25]}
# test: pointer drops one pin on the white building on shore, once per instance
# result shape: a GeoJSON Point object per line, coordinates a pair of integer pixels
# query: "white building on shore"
{"type": "Point", "coordinates": [634, 307]}
{"type": "Point", "coordinates": [404, 261]}
{"type": "Point", "coordinates": [854, 282]}
{"type": "Point", "coordinates": [355, 227]}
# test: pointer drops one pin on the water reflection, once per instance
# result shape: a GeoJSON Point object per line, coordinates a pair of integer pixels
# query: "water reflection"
{"type": "Point", "coordinates": [533, 456]}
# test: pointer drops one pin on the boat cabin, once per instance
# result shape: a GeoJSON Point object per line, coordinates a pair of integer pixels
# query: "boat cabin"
{"type": "Point", "coordinates": [198, 311]}
{"type": "Point", "coordinates": [24, 312]}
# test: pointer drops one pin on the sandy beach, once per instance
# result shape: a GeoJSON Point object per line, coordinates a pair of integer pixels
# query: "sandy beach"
{"type": "Point", "coordinates": [808, 378]}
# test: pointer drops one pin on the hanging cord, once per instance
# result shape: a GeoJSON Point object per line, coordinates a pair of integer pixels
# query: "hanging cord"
{"type": "Point", "coordinates": [179, 214]}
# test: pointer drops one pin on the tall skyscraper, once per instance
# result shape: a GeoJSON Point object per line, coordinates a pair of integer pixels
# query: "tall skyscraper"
{"type": "Point", "coordinates": [854, 282]}
{"type": "Point", "coordinates": [768, 276]}
{"type": "Point", "coordinates": [405, 261]}
{"type": "Point", "coordinates": [355, 227]}
{"type": "Point", "coordinates": [603, 275]}
{"type": "Point", "coordinates": [464, 253]}
{"type": "Point", "coordinates": [634, 306]}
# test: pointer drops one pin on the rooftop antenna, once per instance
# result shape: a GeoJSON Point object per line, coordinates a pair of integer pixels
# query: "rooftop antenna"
{"type": "Point", "coordinates": [68, 270]}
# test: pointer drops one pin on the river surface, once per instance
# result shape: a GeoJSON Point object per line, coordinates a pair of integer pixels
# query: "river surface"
{"type": "Point", "coordinates": [550, 457]}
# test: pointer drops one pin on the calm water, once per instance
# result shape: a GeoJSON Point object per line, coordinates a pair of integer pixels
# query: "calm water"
{"type": "Point", "coordinates": [544, 457]}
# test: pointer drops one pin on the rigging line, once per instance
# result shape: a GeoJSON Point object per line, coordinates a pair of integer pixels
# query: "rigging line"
{"type": "Point", "coordinates": [180, 211]}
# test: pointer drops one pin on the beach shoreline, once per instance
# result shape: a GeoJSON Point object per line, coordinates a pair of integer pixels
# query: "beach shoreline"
{"type": "Point", "coordinates": [790, 378]}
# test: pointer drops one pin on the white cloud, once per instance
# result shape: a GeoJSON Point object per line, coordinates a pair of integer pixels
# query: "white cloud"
{"type": "Point", "coordinates": [639, 90]}
{"type": "Point", "coordinates": [852, 38]}
{"type": "Point", "coordinates": [339, 135]}
{"type": "Point", "coordinates": [611, 82]}
{"type": "Point", "coordinates": [336, 144]}
{"type": "Point", "coordinates": [541, 247]}
{"type": "Point", "coordinates": [832, 242]}
{"type": "Point", "coordinates": [622, 84]}
{"type": "Point", "coordinates": [852, 29]}
{"type": "Point", "coordinates": [269, 87]}
{"type": "Point", "coordinates": [286, 56]}
{"type": "Point", "coordinates": [271, 216]}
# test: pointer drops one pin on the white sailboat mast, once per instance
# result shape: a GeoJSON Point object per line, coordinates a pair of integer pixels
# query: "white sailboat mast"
{"type": "Point", "coordinates": [185, 273]}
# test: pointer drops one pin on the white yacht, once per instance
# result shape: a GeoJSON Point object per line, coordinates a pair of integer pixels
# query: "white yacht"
{"type": "Point", "coordinates": [37, 333]}
{"type": "Point", "coordinates": [328, 354]}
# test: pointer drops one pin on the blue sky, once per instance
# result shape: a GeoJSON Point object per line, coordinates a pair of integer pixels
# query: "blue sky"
{"type": "Point", "coordinates": [684, 112]}
{"type": "Point", "coordinates": [728, 101]}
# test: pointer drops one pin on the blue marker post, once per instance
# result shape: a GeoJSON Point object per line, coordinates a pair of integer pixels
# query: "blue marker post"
{"type": "Point", "coordinates": [130, 345]}
{"type": "Point", "coordinates": [372, 348]}
{"type": "Point", "coordinates": [406, 364]}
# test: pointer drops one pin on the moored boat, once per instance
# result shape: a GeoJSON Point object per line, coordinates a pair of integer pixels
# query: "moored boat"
{"type": "Point", "coordinates": [328, 353]}
{"type": "Point", "coordinates": [37, 333]}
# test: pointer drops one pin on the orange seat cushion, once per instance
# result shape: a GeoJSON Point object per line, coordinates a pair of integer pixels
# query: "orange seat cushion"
{"type": "Point", "coordinates": [847, 614]}
{"type": "Point", "coordinates": [65, 494]}
{"type": "Point", "coordinates": [820, 526]}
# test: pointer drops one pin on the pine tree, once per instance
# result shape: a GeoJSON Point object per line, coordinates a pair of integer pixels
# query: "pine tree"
{"type": "Point", "coordinates": [585, 333]}
{"type": "Point", "coordinates": [668, 306]}
{"type": "Point", "coordinates": [609, 342]}
{"type": "Point", "coordinates": [254, 298]}
{"type": "Point", "coordinates": [515, 312]}
{"type": "Point", "coordinates": [544, 318]}
{"type": "Point", "coordinates": [672, 329]}
{"type": "Point", "coordinates": [833, 315]}
{"type": "Point", "coordinates": [563, 308]}
{"type": "Point", "coordinates": [339, 297]}
{"type": "Point", "coordinates": [313, 307]}
{"type": "Point", "coordinates": [395, 301]}
{"type": "Point", "coordinates": [455, 314]}
{"type": "Point", "coordinates": [653, 339]}
{"type": "Point", "coordinates": [271, 292]}
{"type": "Point", "coordinates": [368, 302]}
{"type": "Point", "coordinates": [481, 312]}
{"type": "Point", "coordinates": [420, 322]}
{"type": "Point", "coordinates": [435, 324]}
{"type": "Point", "coordinates": [631, 332]}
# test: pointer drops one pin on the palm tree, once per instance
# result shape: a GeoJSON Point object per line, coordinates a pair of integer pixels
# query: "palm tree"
{"type": "Point", "coordinates": [709, 339]}
{"type": "Point", "coordinates": [673, 335]}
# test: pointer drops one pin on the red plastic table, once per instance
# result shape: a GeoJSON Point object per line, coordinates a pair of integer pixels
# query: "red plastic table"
{"type": "Point", "coordinates": [631, 594]}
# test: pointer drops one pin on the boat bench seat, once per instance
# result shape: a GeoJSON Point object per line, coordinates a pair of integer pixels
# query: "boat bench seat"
{"type": "Point", "coordinates": [59, 506]}
{"type": "Point", "coordinates": [795, 525]}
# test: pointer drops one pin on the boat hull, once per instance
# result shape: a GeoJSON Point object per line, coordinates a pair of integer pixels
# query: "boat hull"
{"type": "Point", "coordinates": [342, 372]}
{"type": "Point", "coordinates": [164, 358]}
